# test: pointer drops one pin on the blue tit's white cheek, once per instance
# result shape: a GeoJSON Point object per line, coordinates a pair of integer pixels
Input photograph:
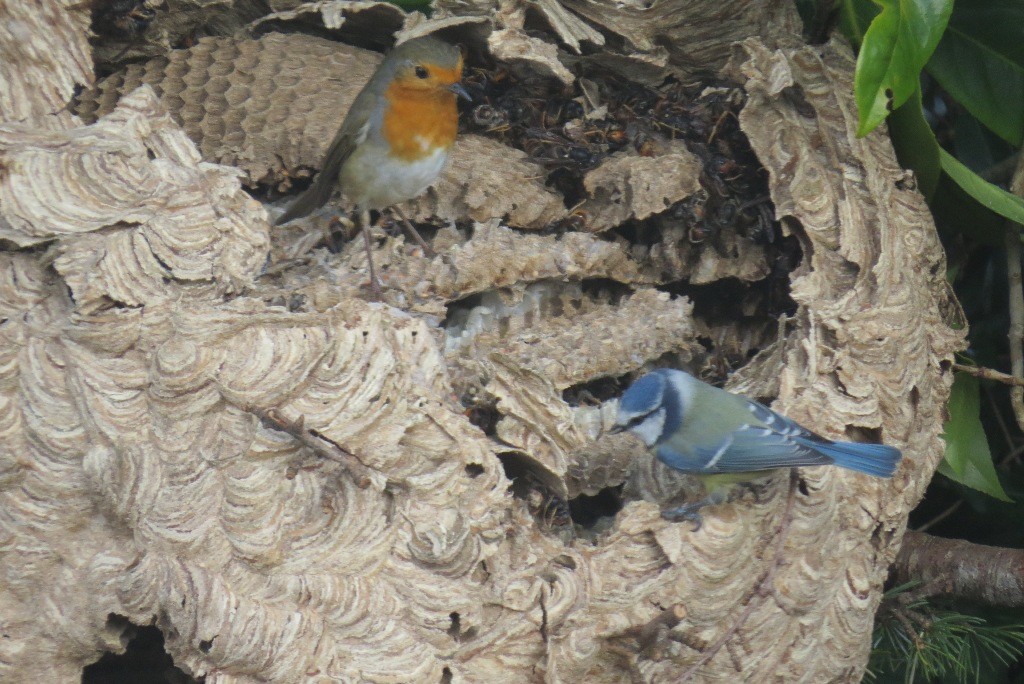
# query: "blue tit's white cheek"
{"type": "Point", "coordinates": [650, 429]}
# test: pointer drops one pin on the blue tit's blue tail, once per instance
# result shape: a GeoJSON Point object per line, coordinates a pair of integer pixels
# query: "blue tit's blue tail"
{"type": "Point", "coordinates": [879, 460]}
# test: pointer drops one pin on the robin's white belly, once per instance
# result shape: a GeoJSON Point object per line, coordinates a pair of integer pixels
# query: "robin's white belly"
{"type": "Point", "coordinates": [373, 180]}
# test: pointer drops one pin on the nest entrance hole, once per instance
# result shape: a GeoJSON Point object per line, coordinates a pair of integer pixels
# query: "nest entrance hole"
{"type": "Point", "coordinates": [145, 659]}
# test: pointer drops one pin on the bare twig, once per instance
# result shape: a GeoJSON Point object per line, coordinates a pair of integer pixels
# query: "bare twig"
{"type": "Point", "coordinates": [989, 374]}
{"type": "Point", "coordinates": [651, 634]}
{"type": "Point", "coordinates": [900, 616]}
{"type": "Point", "coordinates": [998, 415]}
{"type": "Point", "coordinates": [320, 445]}
{"type": "Point", "coordinates": [1011, 457]}
{"type": "Point", "coordinates": [989, 574]}
{"type": "Point", "coordinates": [1013, 276]}
{"type": "Point", "coordinates": [649, 639]}
{"type": "Point", "coordinates": [762, 588]}
{"type": "Point", "coordinates": [1001, 171]}
{"type": "Point", "coordinates": [1016, 333]}
{"type": "Point", "coordinates": [941, 516]}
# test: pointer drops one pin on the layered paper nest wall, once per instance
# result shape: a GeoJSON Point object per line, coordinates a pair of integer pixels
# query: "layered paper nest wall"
{"type": "Point", "coordinates": [157, 334]}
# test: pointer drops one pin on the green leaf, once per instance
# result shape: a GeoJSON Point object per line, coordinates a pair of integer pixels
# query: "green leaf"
{"type": "Point", "coordinates": [968, 459]}
{"type": "Point", "coordinates": [995, 198]}
{"type": "Point", "coordinates": [958, 214]}
{"type": "Point", "coordinates": [915, 144]}
{"type": "Point", "coordinates": [854, 18]}
{"type": "Point", "coordinates": [980, 62]}
{"type": "Point", "coordinates": [976, 147]}
{"type": "Point", "coordinates": [995, 23]}
{"type": "Point", "coordinates": [894, 50]}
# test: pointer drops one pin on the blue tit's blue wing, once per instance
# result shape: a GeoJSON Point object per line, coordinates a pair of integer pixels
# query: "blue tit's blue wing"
{"type": "Point", "coordinates": [739, 436]}
{"type": "Point", "coordinates": [779, 423]}
{"type": "Point", "coordinates": [745, 449]}
{"type": "Point", "coordinates": [767, 442]}
{"type": "Point", "coordinates": [879, 460]}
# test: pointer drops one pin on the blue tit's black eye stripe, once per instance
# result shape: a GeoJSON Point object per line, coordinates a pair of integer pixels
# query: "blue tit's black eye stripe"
{"type": "Point", "coordinates": [673, 406]}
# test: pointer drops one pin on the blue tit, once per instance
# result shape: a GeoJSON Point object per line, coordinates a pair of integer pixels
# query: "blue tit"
{"type": "Point", "coordinates": [725, 439]}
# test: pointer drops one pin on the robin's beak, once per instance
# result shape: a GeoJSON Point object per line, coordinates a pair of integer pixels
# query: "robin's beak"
{"type": "Point", "coordinates": [460, 91]}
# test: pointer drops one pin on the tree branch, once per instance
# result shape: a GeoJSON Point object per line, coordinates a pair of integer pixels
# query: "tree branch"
{"type": "Point", "coordinates": [984, 573]}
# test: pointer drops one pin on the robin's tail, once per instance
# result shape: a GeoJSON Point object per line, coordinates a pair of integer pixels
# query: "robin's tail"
{"type": "Point", "coordinates": [313, 198]}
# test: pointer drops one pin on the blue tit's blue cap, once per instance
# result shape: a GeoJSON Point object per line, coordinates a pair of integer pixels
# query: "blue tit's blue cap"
{"type": "Point", "coordinates": [643, 395]}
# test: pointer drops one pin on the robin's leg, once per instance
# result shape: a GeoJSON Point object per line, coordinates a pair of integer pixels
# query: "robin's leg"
{"type": "Point", "coordinates": [413, 233]}
{"type": "Point", "coordinates": [364, 220]}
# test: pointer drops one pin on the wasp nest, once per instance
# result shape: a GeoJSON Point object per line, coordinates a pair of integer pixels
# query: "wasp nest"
{"type": "Point", "coordinates": [207, 427]}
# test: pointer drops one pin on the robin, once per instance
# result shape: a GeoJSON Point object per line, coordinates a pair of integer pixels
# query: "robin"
{"type": "Point", "coordinates": [395, 139]}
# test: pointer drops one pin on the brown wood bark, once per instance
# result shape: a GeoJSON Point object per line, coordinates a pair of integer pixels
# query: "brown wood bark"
{"type": "Point", "coordinates": [953, 566]}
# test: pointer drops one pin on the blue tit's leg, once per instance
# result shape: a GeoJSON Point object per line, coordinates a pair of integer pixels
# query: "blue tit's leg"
{"type": "Point", "coordinates": [691, 511]}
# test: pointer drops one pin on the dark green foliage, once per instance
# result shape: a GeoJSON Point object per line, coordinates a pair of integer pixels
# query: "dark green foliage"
{"type": "Point", "coordinates": [915, 640]}
{"type": "Point", "coordinates": [968, 459]}
{"type": "Point", "coordinates": [949, 81]}
{"type": "Point", "coordinates": [978, 62]}
{"type": "Point", "coordinates": [893, 50]}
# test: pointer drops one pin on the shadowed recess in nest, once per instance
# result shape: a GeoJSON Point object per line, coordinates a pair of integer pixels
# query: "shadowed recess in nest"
{"type": "Point", "coordinates": [596, 512]}
{"type": "Point", "coordinates": [570, 130]}
{"type": "Point", "coordinates": [144, 659]}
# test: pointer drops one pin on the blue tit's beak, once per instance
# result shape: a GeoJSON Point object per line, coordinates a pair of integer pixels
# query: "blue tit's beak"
{"type": "Point", "coordinates": [616, 429]}
{"type": "Point", "coordinates": [460, 91]}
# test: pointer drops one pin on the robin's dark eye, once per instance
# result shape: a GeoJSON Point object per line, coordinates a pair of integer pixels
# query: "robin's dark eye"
{"type": "Point", "coordinates": [421, 72]}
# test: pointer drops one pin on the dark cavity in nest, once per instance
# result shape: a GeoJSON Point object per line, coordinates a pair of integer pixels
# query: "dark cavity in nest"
{"type": "Point", "coordinates": [555, 126]}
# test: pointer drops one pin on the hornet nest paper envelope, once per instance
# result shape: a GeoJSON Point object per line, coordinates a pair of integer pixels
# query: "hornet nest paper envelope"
{"type": "Point", "coordinates": [293, 490]}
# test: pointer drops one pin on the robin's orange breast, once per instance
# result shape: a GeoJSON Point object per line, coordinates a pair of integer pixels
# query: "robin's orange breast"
{"type": "Point", "coordinates": [418, 122]}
